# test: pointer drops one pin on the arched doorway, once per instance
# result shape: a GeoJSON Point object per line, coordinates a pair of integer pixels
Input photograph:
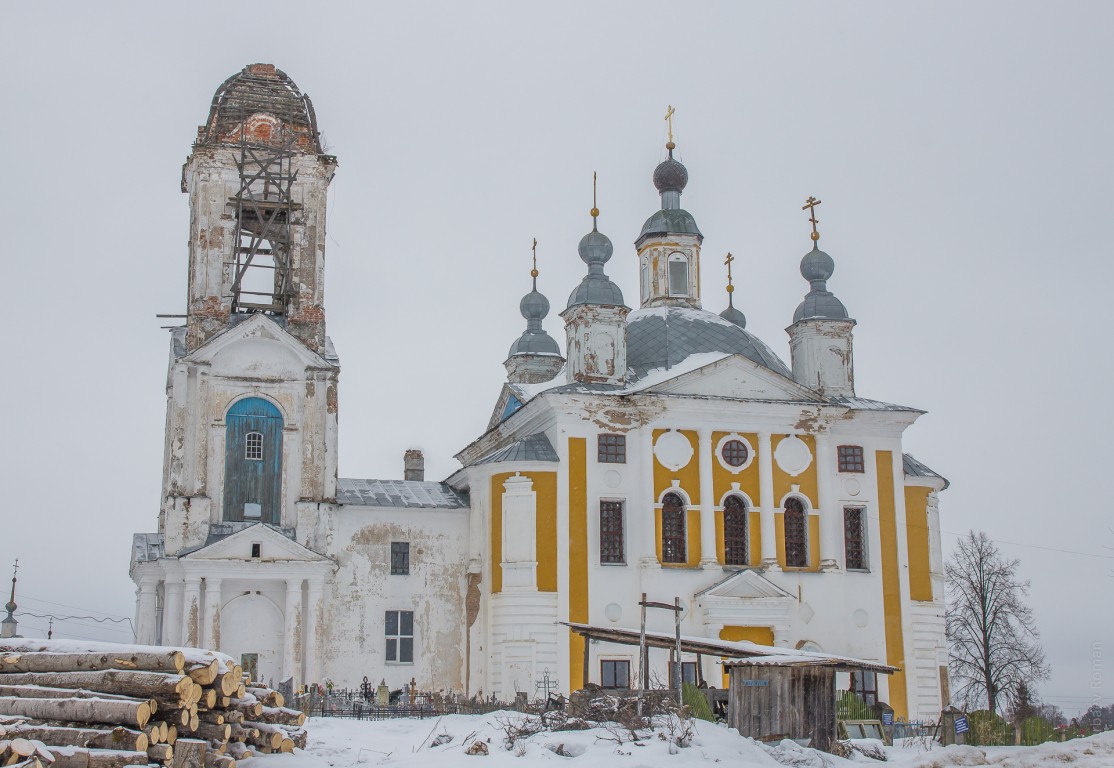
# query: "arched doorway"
{"type": "Point", "coordinates": [251, 630]}
{"type": "Point", "coordinates": [253, 462]}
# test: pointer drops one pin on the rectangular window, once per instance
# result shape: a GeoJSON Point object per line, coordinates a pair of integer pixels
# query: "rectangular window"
{"type": "Point", "coordinates": [400, 558]}
{"type": "Point", "coordinates": [614, 674]}
{"type": "Point", "coordinates": [851, 458]}
{"type": "Point", "coordinates": [399, 629]}
{"type": "Point", "coordinates": [612, 550]}
{"type": "Point", "coordinates": [253, 446]}
{"type": "Point", "coordinates": [866, 685]}
{"type": "Point", "coordinates": [252, 510]}
{"type": "Point", "coordinates": [854, 538]}
{"type": "Point", "coordinates": [688, 672]}
{"type": "Point", "coordinates": [612, 449]}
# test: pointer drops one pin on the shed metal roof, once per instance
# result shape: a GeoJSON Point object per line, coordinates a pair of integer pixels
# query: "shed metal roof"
{"type": "Point", "coordinates": [419, 494]}
{"type": "Point", "coordinates": [914, 468]}
{"type": "Point", "coordinates": [533, 448]}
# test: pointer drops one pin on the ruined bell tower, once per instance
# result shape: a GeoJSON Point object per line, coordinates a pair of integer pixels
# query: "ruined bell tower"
{"type": "Point", "coordinates": [257, 179]}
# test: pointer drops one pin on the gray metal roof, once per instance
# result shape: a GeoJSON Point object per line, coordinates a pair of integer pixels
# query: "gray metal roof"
{"type": "Point", "coordinates": [863, 404]}
{"type": "Point", "coordinates": [817, 267]}
{"type": "Point", "coordinates": [914, 468]}
{"type": "Point", "coordinates": [147, 547]}
{"type": "Point", "coordinates": [735, 316]}
{"type": "Point", "coordinates": [533, 448]}
{"type": "Point", "coordinates": [420, 494]}
{"type": "Point", "coordinates": [665, 336]}
{"type": "Point", "coordinates": [674, 221]}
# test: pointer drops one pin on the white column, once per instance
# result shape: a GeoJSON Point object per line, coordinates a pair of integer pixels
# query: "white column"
{"type": "Point", "coordinates": [145, 610]}
{"type": "Point", "coordinates": [314, 616]}
{"type": "Point", "coordinates": [707, 502]}
{"type": "Point", "coordinates": [781, 636]}
{"type": "Point", "coordinates": [210, 632]}
{"type": "Point", "coordinates": [172, 612]}
{"type": "Point", "coordinates": [830, 514]}
{"type": "Point", "coordinates": [191, 612]}
{"type": "Point", "coordinates": [648, 541]}
{"type": "Point", "coordinates": [766, 491]}
{"type": "Point", "coordinates": [290, 635]}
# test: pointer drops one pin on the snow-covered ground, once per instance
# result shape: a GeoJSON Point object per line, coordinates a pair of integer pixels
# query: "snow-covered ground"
{"type": "Point", "coordinates": [339, 743]}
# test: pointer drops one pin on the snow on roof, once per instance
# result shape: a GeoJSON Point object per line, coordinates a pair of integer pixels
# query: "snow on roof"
{"type": "Point", "coordinates": [398, 493]}
{"type": "Point", "coordinates": [914, 468]}
{"type": "Point", "coordinates": [533, 448]}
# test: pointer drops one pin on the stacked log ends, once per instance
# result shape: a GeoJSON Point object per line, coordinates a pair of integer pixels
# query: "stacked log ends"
{"type": "Point", "coordinates": [65, 704]}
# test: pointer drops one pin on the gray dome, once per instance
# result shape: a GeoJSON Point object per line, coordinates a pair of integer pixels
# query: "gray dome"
{"type": "Point", "coordinates": [665, 336]}
{"type": "Point", "coordinates": [595, 248]}
{"type": "Point", "coordinates": [671, 175]}
{"type": "Point", "coordinates": [670, 221]}
{"type": "Point", "coordinates": [534, 342]}
{"type": "Point", "coordinates": [534, 306]}
{"type": "Point", "coordinates": [817, 265]}
{"type": "Point", "coordinates": [733, 315]}
{"type": "Point", "coordinates": [820, 304]}
{"type": "Point", "coordinates": [596, 289]}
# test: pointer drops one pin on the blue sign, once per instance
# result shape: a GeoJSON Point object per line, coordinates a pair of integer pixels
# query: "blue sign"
{"type": "Point", "coordinates": [887, 718]}
{"type": "Point", "coordinates": [758, 683]}
{"type": "Point", "coordinates": [961, 724]}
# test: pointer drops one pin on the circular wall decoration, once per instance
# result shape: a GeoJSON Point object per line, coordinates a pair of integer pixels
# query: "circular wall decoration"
{"type": "Point", "coordinates": [792, 455]}
{"type": "Point", "coordinates": [612, 479]}
{"type": "Point", "coordinates": [860, 617]}
{"type": "Point", "coordinates": [613, 612]}
{"type": "Point", "coordinates": [852, 486]}
{"type": "Point", "coordinates": [673, 450]}
{"type": "Point", "coordinates": [734, 453]}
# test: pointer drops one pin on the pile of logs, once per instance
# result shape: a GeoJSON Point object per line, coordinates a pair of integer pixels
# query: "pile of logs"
{"type": "Point", "coordinates": [66, 704]}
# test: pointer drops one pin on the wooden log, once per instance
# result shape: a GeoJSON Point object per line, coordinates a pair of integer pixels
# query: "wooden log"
{"type": "Point", "coordinates": [267, 696]}
{"type": "Point", "coordinates": [171, 734]}
{"type": "Point", "coordinates": [219, 761]}
{"type": "Point", "coordinates": [210, 731]}
{"type": "Point", "coordinates": [232, 715]}
{"type": "Point", "coordinates": [148, 685]}
{"type": "Point", "coordinates": [30, 762]}
{"type": "Point", "coordinates": [114, 712]}
{"type": "Point", "coordinates": [283, 716]}
{"type": "Point", "coordinates": [251, 708]}
{"type": "Point", "coordinates": [160, 753]}
{"type": "Point", "coordinates": [287, 745]}
{"type": "Point", "coordinates": [299, 735]}
{"type": "Point", "coordinates": [227, 683]}
{"type": "Point", "coordinates": [239, 750]}
{"type": "Point", "coordinates": [271, 735]}
{"type": "Point", "coordinates": [204, 673]}
{"type": "Point", "coordinates": [220, 747]}
{"type": "Point", "coordinates": [208, 697]}
{"type": "Point", "coordinates": [153, 733]}
{"type": "Point", "coordinates": [59, 736]}
{"type": "Point", "coordinates": [214, 717]}
{"type": "Point", "coordinates": [81, 757]}
{"type": "Point", "coordinates": [189, 753]}
{"type": "Point", "coordinates": [16, 661]}
{"type": "Point", "coordinates": [39, 692]}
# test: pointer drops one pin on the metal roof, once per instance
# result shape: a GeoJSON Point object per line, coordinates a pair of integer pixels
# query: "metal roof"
{"type": "Point", "coordinates": [147, 547]}
{"type": "Point", "coordinates": [419, 494]}
{"type": "Point", "coordinates": [669, 221]}
{"type": "Point", "coordinates": [533, 448]}
{"type": "Point", "coordinates": [914, 468]}
{"type": "Point", "coordinates": [743, 649]}
{"type": "Point", "coordinates": [664, 337]}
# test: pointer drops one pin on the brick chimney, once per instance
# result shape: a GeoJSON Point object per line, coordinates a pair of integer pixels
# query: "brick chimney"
{"type": "Point", "coordinates": [413, 465]}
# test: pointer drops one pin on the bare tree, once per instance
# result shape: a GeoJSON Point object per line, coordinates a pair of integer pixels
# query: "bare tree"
{"type": "Point", "coordinates": [994, 644]}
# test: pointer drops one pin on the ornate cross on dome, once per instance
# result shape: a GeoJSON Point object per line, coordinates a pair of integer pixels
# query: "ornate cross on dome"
{"type": "Point", "coordinates": [534, 271]}
{"type": "Point", "coordinates": [730, 286]}
{"type": "Point", "coordinates": [595, 210]}
{"type": "Point", "coordinates": [669, 121]}
{"type": "Point", "coordinates": [810, 206]}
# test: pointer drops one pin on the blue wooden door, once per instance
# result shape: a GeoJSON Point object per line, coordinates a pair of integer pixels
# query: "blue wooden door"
{"type": "Point", "coordinates": [253, 462]}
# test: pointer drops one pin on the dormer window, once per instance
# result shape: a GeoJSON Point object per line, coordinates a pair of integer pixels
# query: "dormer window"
{"type": "Point", "coordinates": [253, 446]}
{"type": "Point", "coordinates": [678, 275]}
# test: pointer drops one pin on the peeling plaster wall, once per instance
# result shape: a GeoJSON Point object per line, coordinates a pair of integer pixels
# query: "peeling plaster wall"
{"type": "Point", "coordinates": [363, 589]}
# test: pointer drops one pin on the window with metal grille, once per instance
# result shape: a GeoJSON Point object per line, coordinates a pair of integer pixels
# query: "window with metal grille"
{"type": "Point", "coordinates": [253, 446]}
{"type": "Point", "coordinates": [400, 558]}
{"type": "Point", "coordinates": [735, 539]}
{"type": "Point", "coordinates": [851, 458]}
{"type": "Point", "coordinates": [735, 453]}
{"type": "Point", "coordinates": [854, 538]}
{"type": "Point", "coordinates": [399, 629]}
{"type": "Point", "coordinates": [796, 534]}
{"type": "Point", "coordinates": [673, 549]}
{"type": "Point", "coordinates": [612, 550]}
{"type": "Point", "coordinates": [614, 674]}
{"type": "Point", "coordinates": [612, 449]}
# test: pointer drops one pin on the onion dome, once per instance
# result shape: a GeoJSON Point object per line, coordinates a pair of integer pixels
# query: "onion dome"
{"type": "Point", "coordinates": [534, 340]}
{"type": "Point", "coordinates": [264, 106]}
{"type": "Point", "coordinates": [670, 179]}
{"type": "Point", "coordinates": [671, 175]}
{"type": "Point", "coordinates": [817, 267]}
{"type": "Point", "coordinates": [731, 314]}
{"type": "Point", "coordinates": [596, 288]}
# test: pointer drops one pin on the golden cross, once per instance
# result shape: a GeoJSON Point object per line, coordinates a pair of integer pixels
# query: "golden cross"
{"type": "Point", "coordinates": [810, 206]}
{"type": "Point", "coordinates": [669, 120]}
{"type": "Point", "coordinates": [728, 261]}
{"type": "Point", "coordinates": [534, 248]}
{"type": "Point", "coordinates": [595, 210]}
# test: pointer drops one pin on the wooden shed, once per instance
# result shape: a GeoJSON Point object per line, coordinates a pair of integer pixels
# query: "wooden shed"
{"type": "Point", "coordinates": [789, 697]}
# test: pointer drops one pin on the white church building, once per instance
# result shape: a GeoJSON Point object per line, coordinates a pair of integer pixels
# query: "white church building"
{"type": "Point", "coordinates": [663, 450]}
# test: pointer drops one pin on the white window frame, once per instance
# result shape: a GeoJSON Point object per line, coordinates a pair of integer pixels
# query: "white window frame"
{"type": "Point", "coordinates": [398, 637]}
{"type": "Point", "coordinates": [253, 448]}
{"type": "Point", "coordinates": [678, 258]}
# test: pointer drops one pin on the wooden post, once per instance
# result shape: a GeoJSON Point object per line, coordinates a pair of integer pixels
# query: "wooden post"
{"type": "Point", "coordinates": [677, 676]}
{"type": "Point", "coordinates": [587, 653]}
{"type": "Point", "coordinates": [642, 665]}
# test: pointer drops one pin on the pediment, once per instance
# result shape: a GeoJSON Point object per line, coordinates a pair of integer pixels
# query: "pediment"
{"type": "Point", "coordinates": [509, 401]}
{"type": "Point", "coordinates": [258, 348]}
{"type": "Point", "coordinates": [273, 546]}
{"type": "Point", "coordinates": [745, 585]}
{"type": "Point", "coordinates": [735, 376]}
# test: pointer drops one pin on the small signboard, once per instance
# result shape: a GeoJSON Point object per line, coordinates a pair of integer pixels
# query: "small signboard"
{"type": "Point", "coordinates": [887, 718]}
{"type": "Point", "coordinates": [756, 683]}
{"type": "Point", "coordinates": [961, 724]}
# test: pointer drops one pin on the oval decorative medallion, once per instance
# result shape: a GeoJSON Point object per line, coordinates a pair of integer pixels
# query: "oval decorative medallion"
{"type": "Point", "coordinates": [673, 450]}
{"type": "Point", "coordinates": [852, 486]}
{"type": "Point", "coordinates": [612, 479]}
{"type": "Point", "coordinates": [793, 455]}
{"type": "Point", "coordinates": [613, 612]}
{"type": "Point", "coordinates": [860, 617]}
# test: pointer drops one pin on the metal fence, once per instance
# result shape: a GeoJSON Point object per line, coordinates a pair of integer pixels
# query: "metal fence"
{"type": "Point", "coordinates": [358, 705]}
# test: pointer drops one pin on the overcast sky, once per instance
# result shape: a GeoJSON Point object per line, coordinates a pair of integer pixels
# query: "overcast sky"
{"type": "Point", "coordinates": [961, 150]}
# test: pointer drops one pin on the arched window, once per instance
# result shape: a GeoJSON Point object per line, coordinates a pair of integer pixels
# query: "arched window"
{"type": "Point", "coordinates": [796, 534]}
{"type": "Point", "coordinates": [673, 549]}
{"type": "Point", "coordinates": [253, 461]}
{"type": "Point", "coordinates": [678, 275]}
{"type": "Point", "coordinates": [645, 278]}
{"type": "Point", "coordinates": [735, 539]}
